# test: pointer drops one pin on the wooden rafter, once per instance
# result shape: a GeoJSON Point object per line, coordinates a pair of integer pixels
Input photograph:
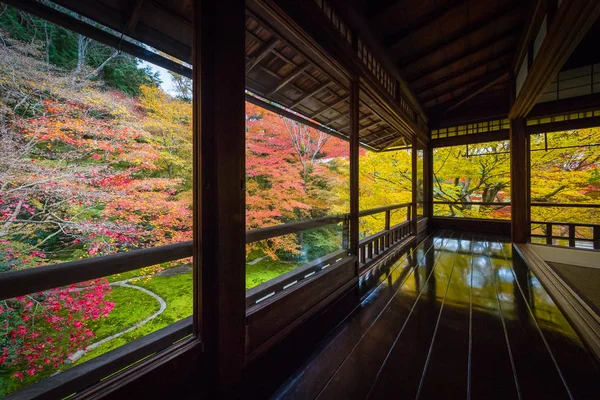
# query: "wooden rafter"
{"type": "Point", "coordinates": [253, 62]}
{"type": "Point", "coordinates": [307, 96]}
{"type": "Point", "coordinates": [424, 21]}
{"type": "Point", "coordinates": [290, 78]}
{"type": "Point", "coordinates": [471, 68]}
{"type": "Point", "coordinates": [468, 53]}
{"type": "Point", "coordinates": [479, 88]}
{"type": "Point", "coordinates": [460, 85]}
{"type": "Point", "coordinates": [135, 16]}
{"type": "Point", "coordinates": [461, 35]}
{"type": "Point", "coordinates": [329, 107]}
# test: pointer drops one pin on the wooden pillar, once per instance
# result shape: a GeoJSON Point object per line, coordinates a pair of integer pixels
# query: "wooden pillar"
{"type": "Point", "coordinates": [428, 182]}
{"type": "Point", "coordinates": [519, 181]}
{"type": "Point", "coordinates": [219, 193]}
{"type": "Point", "coordinates": [414, 185]}
{"type": "Point", "coordinates": [354, 165]}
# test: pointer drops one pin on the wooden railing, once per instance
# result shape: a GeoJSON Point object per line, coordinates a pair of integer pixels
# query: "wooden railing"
{"type": "Point", "coordinates": [24, 282]}
{"type": "Point", "coordinates": [370, 247]}
{"type": "Point", "coordinates": [550, 227]}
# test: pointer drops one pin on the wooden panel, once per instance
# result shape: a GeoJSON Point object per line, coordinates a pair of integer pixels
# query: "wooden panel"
{"type": "Point", "coordinates": [485, 137]}
{"type": "Point", "coordinates": [267, 319]}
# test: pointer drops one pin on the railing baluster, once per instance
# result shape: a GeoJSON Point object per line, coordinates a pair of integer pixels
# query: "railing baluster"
{"type": "Point", "coordinates": [571, 235]}
{"type": "Point", "coordinates": [596, 236]}
{"type": "Point", "coordinates": [548, 233]}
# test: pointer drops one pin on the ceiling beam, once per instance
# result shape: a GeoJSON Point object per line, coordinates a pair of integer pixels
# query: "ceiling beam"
{"type": "Point", "coordinates": [460, 85]}
{"type": "Point", "coordinates": [466, 54]}
{"type": "Point", "coordinates": [506, 11]}
{"type": "Point", "coordinates": [463, 71]}
{"type": "Point", "coordinates": [375, 9]}
{"type": "Point", "coordinates": [570, 24]}
{"type": "Point", "coordinates": [424, 21]}
{"type": "Point", "coordinates": [135, 16]}
{"type": "Point", "coordinates": [479, 88]}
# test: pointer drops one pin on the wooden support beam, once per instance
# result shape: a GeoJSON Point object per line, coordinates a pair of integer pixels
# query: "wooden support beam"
{"type": "Point", "coordinates": [508, 10]}
{"type": "Point", "coordinates": [219, 199]}
{"type": "Point", "coordinates": [414, 174]}
{"type": "Point", "coordinates": [479, 88]}
{"type": "Point", "coordinates": [428, 181]}
{"type": "Point", "coordinates": [570, 24]}
{"type": "Point", "coordinates": [513, 31]}
{"type": "Point", "coordinates": [290, 78]}
{"type": "Point", "coordinates": [135, 16]}
{"type": "Point", "coordinates": [354, 168]}
{"type": "Point", "coordinates": [519, 178]}
{"type": "Point", "coordinates": [311, 94]}
{"type": "Point", "coordinates": [462, 85]}
{"type": "Point", "coordinates": [253, 62]}
{"type": "Point", "coordinates": [420, 23]}
{"type": "Point", "coordinates": [502, 134]}
{"type": "Point", "coordinates": [471, 68]}
{"type": "Point", "coordinates": [329, 107]}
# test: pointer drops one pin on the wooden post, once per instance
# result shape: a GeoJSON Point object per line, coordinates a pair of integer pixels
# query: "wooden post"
{"type": "Point", "coordinates": [596, 233]}
{"type": "Point", "coordinates": [519, 178]}
{"type": "Point", "coordinates": [219, 192]}
{"type": "Point", "coordinates": [548, 233]}
{"type": "Point", "coordinates": [428, 182]}
{"type": "Point", "coordinates": [413, 222]}
{"type": "Point", "coordinates": [571, 235]}
{"type": "Point", "coordinates": [354, 143]}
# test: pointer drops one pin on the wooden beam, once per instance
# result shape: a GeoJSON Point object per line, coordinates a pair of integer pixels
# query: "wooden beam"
{"type": "Point", "coordinates": [311, 94]}
{"type": "Point", "coordinates": [219, 200]}
{"type": "Point", "coordinates": [519, 178]}
{"type": "Point", "coordinates": [565, 106]}
{"type": "Point", "coordinates": [481, 87]}
{"type": "Point", "coordinates": [466, 54]}
{"type": "Point", "coordinates": [329, 107]}
{"type": "Point", "coordinates": [135, 16]}
{"type": "Point", "coordinates": [572, 21]}
{"type": "Point", "coordinates": [253, 62]}
{"type": "Point", "coordinates": [560, 126]}
{"type": "Point", "coordinates": [461, 72]}
{"type": "Point", "coordinates": [290, 78]}
{"type": "Point", "coordinates": [534, 19]}
{"type": "Point", "coordinates": [475, 138]}
{"type": "Point", "coordinates": [506, 11]}
{"type": "Point", "coordinates": [354, 168]}
{"type": "Point", "coordinates": [428, 180]}
{"type": "Point", "coordinates": [414, 173]}
{"type": "Point", "coordinates": [462, 85]}
{"type": "Point", "coordinates": [422, 22]}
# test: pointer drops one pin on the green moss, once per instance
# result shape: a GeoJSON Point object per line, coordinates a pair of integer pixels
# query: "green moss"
{"type": "Point", "coordinates": [265, 270]}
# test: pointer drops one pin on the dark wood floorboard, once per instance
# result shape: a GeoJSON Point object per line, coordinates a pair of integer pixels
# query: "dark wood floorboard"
{"type": "Point", "coordinates": [453, 319]}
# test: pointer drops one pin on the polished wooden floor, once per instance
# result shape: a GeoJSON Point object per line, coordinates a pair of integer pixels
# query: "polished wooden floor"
{"type": "Point", "coordinates": [453, 318]}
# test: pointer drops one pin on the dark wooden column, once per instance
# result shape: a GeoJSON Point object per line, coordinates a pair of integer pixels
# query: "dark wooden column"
{"type": "Point", "coordinates": [519, 181]}
{"type": "Point", "coordinates": [219, 201]}
{"type": "Point", "coordinates": [428, 182]}
{"type": "Point", "coordinates": [354, 166]}
{"type": "Point", "coordinates": [415, 174]}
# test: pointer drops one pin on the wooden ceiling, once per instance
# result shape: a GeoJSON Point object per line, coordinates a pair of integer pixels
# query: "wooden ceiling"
{"type": "Point", "coordinates": [281, 68]}
{"type": "Point", "coordinates": [454, 54]}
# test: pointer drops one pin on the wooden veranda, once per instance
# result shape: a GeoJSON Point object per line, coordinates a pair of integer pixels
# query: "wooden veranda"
{"type": "Point", "coordinates": [383, 75]}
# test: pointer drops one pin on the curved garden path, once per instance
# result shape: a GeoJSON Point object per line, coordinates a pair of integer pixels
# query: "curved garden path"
{"type": "Point", "coordinates": [125, 283]}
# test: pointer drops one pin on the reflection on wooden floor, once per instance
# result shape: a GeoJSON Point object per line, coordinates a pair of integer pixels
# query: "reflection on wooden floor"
{"type": "Point", "coordinates": [454, 318]}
